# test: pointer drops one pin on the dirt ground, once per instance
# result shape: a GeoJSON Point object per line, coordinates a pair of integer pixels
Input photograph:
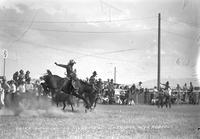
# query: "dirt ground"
{"type": "Point", "coordinates": [106, 121]}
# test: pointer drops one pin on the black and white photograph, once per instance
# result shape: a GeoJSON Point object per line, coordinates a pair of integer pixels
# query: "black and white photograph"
{"type": "Point", "coordinates": [90, 69]}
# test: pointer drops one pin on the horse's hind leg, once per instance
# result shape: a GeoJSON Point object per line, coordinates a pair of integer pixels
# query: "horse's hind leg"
{"type": "Point", "coordinates": [64, 105]}
{"type": "Point", "coordinates": [79, 96]}
{"type": "Point", "coordinates": [72, 107]}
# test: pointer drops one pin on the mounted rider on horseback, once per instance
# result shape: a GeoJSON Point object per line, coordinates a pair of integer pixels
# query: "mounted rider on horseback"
{"type": "Point", "coordinates": [93, 80]}
{"type": "Point", "coordinates": [71, 74]}
{"type": "Point", "coordinates": [166, 93]}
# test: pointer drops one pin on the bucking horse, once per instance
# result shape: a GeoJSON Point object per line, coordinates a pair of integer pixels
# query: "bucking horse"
{"type": "Point", "coordinates": [77, 88]}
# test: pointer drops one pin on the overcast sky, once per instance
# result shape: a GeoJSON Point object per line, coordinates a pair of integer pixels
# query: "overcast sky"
{"type": "Point", "coordinates": [101, 35]}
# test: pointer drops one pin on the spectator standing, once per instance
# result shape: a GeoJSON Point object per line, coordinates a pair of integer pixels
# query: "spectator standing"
{"type": "Point", "coordinates": [185, 92]}
{"type": "Point", "coordinates": [16, 77]}
{"type": "Point", "coordinates": [5, 85]}
{"type": "Point", "coordinates": [2, 94]}
{"type": "Point", "coordinates": [29, 86]}
{"type": "Point", "coordinates": [21, 77]}
{"type": "Point", "coordinates": [139, 87]}
{"type": "Point", "coordinates": [27, 76]}
{"type": "Point", "coordinates": [38, 89]}
{"type": "Point", "coordinates": [154, 94]}
{"type": "Point", "coordinates": [12, 89]}
{"type": "Point", "coordinates": [139, 90]}
{"type": "Point", "coordinates": [6, 88]}
{"type": "Point", "coordinates": [21, 88]}
{"type": "Point", "coordinates": [190, 90]}
{"type": "Point", "coordinates": [178, 89]}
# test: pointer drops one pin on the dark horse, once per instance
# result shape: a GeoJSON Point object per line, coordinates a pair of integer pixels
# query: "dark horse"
{"type": "Point", "coordinates": [63, 97]}
{"type": "Point", "coordinates": [59, 97]}
{"type": "Point", "coordinates": [57, 84]}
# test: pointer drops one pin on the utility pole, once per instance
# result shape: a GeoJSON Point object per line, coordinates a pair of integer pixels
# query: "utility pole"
{"type": "Point", "coordinates": [5, 56]}
{"type": "Point", "coordinates": [4, 67]}
{"type": "Point", "coordinates": [158, 74]}
{"type": "Point", "coordinates": [115, 74]}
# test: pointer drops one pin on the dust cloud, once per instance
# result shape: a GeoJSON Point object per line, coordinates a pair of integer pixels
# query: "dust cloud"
{"type": "Point", "coordinates": [31, 106]}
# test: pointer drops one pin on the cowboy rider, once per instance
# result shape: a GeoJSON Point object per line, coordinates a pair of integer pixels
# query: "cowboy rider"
{"type": "Point", "coordinates": [71, 74]}
{"type": "Point", "coordinates": [166, 85]}
{"type": "Point", "coordinates": [69, 68]}
{"type": "Point", "coordinates": [167, 88]}
{"type": "Point", "coordinates": [92, 79]}
{"type": "Point", "coordinates": [167, 92]}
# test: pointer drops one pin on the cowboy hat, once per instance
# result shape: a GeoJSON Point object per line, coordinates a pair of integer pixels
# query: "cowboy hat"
{"type": "Point", "coordinates": [94, 73]}
{"type": "Point", "coordinates": [72, 61]}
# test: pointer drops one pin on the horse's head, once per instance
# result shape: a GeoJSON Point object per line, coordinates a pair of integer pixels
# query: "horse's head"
{"type": "Point", "coordinates": [46, 76]}
{"type": "Point", "coordinates": [45, 88]}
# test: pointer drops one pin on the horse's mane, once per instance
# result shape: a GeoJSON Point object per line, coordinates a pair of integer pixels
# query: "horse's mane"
{"type": "Point", "coordinates": [49, 74]}
{"type": "Point", "coordinates": [57, 76]}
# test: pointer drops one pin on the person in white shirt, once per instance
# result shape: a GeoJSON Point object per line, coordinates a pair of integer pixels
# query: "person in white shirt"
{"type": "Point", "coordinates": [12, 89]}
{"type": "Point", "coordinates": [2, 95]}
{"type": "Point", "coordinates": [154, 95]}
{"type": "Point", "coordinates": [29, 86]}
{"type": "Point", "coordinates": [38, 89]}
{"type": "Point", "coordinates": [22, 88]}
{"type": "Point", "coordinates": [140, 88]}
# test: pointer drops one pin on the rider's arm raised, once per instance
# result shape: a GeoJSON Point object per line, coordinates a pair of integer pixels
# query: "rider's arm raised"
{"type": "Point", "coordinates": [61, 65]}
{"type": "Point", "coordinates": [163, 84]}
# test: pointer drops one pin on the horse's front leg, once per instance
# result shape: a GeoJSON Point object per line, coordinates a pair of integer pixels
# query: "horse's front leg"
{"type": "Point", "coordinates": [64, 105]}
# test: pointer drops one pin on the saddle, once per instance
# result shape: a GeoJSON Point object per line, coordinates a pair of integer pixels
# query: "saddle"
{"type": "Point", "coordinates": [75, 84]}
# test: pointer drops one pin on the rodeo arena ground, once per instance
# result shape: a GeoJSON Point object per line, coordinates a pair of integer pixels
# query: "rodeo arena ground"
{"type": "Point", "coordinates": [36, 109]}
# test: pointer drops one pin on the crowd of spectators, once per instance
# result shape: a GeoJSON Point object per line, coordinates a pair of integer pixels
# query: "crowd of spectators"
{"type": "Point", "coordinates": [180, 94]}
{"type": "Point", "coordinates": [23, 84]}
{"type": "Point", "coordinates": [20, 84]}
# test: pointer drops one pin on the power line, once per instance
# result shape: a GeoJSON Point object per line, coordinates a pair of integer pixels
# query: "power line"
{"type": "Point", "coordinates": [118, 51]}
{"type": "Point", "coordinates": [92, 32]}
{"type": "Point", "coordinates": [75, 52]}
{"type": "Point", "coordinates": [22, 35]}
{"type": "Point", "coordinates": [79, 31]}
{"type": "Point", "coordinates": [177, 34]}
{"type": "Point", "coordinates": [80, 22]}
{"type": "Point", "coordinates": [183, 22]}
{"type": "Point", "coordinates": [47, 46]}
{"type": "Point", "coordinates": [109, 52]}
